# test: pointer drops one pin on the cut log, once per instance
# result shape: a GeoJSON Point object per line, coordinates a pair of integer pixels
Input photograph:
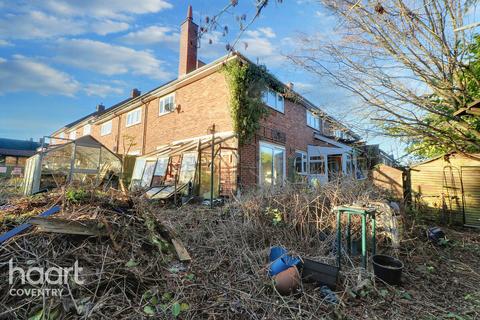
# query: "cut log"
{"type": "Point", "coordinates": [86, 228]}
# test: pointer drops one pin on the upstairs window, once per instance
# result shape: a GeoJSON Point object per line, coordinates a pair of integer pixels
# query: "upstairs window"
{"type": "Point", "coordinates": [274, 100]}
{"type": "Point", "coordinates": [166, 104]}
{"type": "Point", "coordinates": [87, 129]}
{"type": "Point", "coordinates": [134, 117]}
{"type": "Point", "coordinates": [73, 135]}
{"type": "Point", "coordinates": [106, 128]}
{"type": "Point", "coordinates": [62, 135]}
{"type": "Point", "coordinates": [313, 121]}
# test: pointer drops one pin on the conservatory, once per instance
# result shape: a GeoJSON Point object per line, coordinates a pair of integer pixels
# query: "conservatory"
{"type": "Point", "coordinates": [84, 160]}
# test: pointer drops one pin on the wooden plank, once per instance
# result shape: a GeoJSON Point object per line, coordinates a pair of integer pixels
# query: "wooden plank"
{"type": "Point", "coordinates": [85, 228]}
{"type": "Point", "coordinates": [4, 237]}
{"type": "Point", "coordinates": [182, 252]}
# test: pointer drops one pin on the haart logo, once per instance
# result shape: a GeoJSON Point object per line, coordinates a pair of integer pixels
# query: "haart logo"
{"type": "Point", "coordinates": [37, 276]}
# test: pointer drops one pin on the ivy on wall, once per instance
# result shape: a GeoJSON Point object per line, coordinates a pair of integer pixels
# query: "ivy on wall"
{"type": "Point", "coordinates": [246, 83]}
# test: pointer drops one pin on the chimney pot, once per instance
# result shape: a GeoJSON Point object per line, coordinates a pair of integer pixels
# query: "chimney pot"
{"type": "Point", "coordinates": [135, 93]}
{"type": "Point", "coordinates": [100, 108]}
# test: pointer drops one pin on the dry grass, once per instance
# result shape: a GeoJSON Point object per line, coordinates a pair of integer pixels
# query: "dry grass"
{"type": "Point", "coordinates": [227, 276]}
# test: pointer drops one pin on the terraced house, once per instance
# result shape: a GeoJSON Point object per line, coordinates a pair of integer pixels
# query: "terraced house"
{"type": "Point", "coordinates": [172, 129]}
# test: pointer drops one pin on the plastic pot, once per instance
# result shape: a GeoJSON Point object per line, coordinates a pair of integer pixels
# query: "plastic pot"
{"type": "Point", "coordinates": [387, 268]}
{"type": "Point", "coordinates": [276, 252]}
{"type": "Point", "coordinates": [282, 264]}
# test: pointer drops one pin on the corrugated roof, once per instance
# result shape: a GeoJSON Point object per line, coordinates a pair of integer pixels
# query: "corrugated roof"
{"type": "Point", "coordinates": [14, 145]}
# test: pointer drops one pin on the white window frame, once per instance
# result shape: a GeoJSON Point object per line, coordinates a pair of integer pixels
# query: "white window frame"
{"type": "Point", "coordinates": [304, 160]}
{"type": "Point", "coordinates": [133, 122]}
{"type": "Point", "coordinates": [87, 129]}
{"type": "Point", "coordinates": [274, 100]}
{"type": "Point", "coordinates": [323, 160]}
{"type": "Point", "coordinates": [107, 124]}
{"type": "Point", "coordinates": [272, 146]}
{"type": "Point", "coordinates": [161, 104]}
{"type": "Point", "coordinates": [72, 135]}
{"type": "Point", "coordinates": [314, 121]}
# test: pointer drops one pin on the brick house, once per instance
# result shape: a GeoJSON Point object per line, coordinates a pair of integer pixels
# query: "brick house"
{"type": "Point", "coordinates": [295, 139]}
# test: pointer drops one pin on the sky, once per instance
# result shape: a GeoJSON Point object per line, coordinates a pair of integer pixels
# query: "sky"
{"type": "Point", "coordinates": [59, 59]}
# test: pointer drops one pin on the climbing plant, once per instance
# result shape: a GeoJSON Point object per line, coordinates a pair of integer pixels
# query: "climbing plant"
{"type": "Point", "coordinates": [246, 83]}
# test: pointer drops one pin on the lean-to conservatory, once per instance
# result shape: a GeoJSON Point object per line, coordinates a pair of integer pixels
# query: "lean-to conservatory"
{"type": "Point", "coordinates": [185, 167]}
{"type": "Point", "coordinates": [84, 160]}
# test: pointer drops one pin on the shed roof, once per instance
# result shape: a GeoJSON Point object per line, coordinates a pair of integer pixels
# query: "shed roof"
{"type": "Point", "coordinates": [14, 147]}
{"type": "Point", "coordinates": [477, 155]}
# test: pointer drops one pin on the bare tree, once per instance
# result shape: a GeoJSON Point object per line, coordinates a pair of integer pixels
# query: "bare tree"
{"type": "Point", "coordinates": [408, 66]}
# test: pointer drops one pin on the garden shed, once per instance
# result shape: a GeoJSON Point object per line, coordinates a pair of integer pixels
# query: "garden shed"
{"type": "Point", "coordinates": [83, 160]}
{"type": "Point", "coordinates": [447, 188]}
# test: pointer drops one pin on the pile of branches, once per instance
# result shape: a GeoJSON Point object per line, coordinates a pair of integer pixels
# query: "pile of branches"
{"type": "Point", "coordinates": [121, 270]}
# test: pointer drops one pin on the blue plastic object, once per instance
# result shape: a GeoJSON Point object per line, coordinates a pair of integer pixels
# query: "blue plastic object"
{"type": "Point", "coordinates": [7, 235]}
{"type": "Point", "coordinates": [282, 264]}
{"type": "Point", "coordinates": [276, 252]}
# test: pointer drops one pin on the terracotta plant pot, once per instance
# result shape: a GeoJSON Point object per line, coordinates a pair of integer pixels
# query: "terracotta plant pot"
{"type": "Point", "coordinates": [287, 281]}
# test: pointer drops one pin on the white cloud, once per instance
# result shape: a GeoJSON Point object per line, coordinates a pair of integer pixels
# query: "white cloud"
{"type": "Point", "coordinates": [303, 87]}
{"type": "Point", "coordinates": [151, 35]}
{"type": "Point", "coordinates": [118, 9]}
{"type": "Point", "coordinates": [109, 59]}
{"type": "Point", "coordinates": [268, 32]}
{"type": "Point", "coordinates": [5, 43]}
{"type": "Point", "coordinates": [108, 26]}
{"type": "Point", "coordinates": [23, 74]}
{"type": "Point", "coordinates": [38, 25]}
{"type": "Point", "coordinates": [101, 90]}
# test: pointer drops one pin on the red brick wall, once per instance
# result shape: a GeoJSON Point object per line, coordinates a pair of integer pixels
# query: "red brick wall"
{"type": "Point", "coordinates": [298, 135]}
{"type": "Point", "coordinates": [200, 104]}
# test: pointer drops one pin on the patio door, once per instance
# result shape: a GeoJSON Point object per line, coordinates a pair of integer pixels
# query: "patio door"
{"type": "Point", "coordinates": [272, 164]}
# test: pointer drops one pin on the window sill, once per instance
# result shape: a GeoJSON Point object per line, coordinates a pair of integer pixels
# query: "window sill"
{"type": "Point", "coordinates": [104, 134]}
{"type": "Point", "coordinates": [131, 125]}
{"type": "Point", "coordinates": [164, 113]}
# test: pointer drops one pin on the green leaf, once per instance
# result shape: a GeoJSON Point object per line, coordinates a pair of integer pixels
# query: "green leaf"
{"type": "Point", "coordinates": [191, 276]}
{"type": "Point", "coordinates": [407, 296]}
{"type": "Point", "coordinates": [149, 310]}
{"type": "Point", "coordinates": [131, 263]}
{"type": "Point", "coordinates": [37, 316]}
{"type": "Point", "coordinates": [176, 309]}
{"type": "Point", "coordinates": [167, 296]}
{"type": "Point", "coordinates": [184, 306]}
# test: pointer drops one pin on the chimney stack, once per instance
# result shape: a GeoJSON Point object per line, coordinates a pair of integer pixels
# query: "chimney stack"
{"type": "Point", "coordinates": [135, 93]}
{"type": "Point", "coordinates": [188, 45]}
{"type": "Point", "coordinates": [100, 108]}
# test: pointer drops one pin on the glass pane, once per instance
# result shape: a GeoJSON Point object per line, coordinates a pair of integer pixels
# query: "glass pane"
{"type": "Point", "coordinates": [162, 164]}
{"type": "Point", "coordinates": [280, 102]}
{"type": "Point", "coordinates": [278, 166]}
{"type": "Point", "coordinates": [298, 162]}
{"type": "Point", "coordinates": [109, 164]}
{"type": "Point", "coordinates": [87, 158]}
{"type": "Point", "coordinates": [266, 166]}
{"type": "Point", "coordinates": [187, 169]}
{"type": "Point", "coordinates": [148, 174]}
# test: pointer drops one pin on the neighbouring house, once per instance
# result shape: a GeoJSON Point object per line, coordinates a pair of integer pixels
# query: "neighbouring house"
{"type": "Point", "coordinates": [176, 128]}
{"type": "Point", "coordinates": [14, 154]}
{"type": "Point", "coordinates": [447, 188]}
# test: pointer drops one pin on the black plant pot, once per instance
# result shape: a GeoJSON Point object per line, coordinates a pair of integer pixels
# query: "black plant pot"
{"type": "Point", "coordinates": [387, 268]}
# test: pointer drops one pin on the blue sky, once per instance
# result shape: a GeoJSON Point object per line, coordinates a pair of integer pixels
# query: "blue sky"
{"type": "Point", "coordinates": [59, 59]}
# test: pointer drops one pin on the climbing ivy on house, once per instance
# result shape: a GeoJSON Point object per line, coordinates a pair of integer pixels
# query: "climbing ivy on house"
{"type": "Point", "coordinates": [246, 83]}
